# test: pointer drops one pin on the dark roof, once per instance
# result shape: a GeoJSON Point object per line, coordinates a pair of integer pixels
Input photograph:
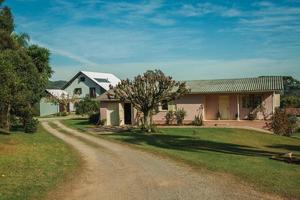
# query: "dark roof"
{"type": "Point", "coordinates": [258, 84]}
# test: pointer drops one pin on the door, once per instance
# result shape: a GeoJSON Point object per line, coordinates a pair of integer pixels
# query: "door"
{"type": "Point", "coordinates": [224, 107]}
{"type": "Point", "coordinates": [112, 114]}
{"type": "Point", "coordinates": [127, 113]}
{"type": "Point", "coordinates": [92, 92]}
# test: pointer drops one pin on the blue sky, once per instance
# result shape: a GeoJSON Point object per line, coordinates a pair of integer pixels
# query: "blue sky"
{"type": "Point", "coordinates": [185, 39]}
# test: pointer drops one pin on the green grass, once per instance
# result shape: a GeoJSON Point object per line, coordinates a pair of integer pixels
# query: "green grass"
{"type": "Point", "coordinates": [31, 165]}
{"type": "Point", "coordinates": [243, 153]}
{"type": "Point", "coordinates": [80, 124]}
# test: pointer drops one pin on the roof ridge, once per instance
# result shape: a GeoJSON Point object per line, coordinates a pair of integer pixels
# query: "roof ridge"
{"type": "Point", "coordinates": [258, 77]}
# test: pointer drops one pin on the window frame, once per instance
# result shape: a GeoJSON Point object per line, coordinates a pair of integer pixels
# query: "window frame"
{"type": "Point", "coordinates": [77, 93]}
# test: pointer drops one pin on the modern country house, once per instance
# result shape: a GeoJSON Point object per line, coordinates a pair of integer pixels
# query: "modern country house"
{"type": "Point", "coordinates": [83, 84]}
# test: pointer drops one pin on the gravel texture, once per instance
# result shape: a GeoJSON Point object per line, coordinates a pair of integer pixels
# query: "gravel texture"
{"type": "Point", "coordinates": [116, 171]}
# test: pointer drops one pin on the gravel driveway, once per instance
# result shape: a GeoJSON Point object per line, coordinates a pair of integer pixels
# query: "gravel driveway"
{"type": "Point", "coordinates": [116, 171]}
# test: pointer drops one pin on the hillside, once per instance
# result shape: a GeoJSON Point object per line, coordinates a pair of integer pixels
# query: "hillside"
{"type": "Point", "coordinates": [56, 84]}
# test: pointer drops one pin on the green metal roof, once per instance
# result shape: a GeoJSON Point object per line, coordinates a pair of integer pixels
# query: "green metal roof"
{"type": "Point", "coordinates": [258, 84]}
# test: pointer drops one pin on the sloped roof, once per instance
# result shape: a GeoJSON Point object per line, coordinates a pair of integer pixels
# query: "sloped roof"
{"type": "Point", "coordinates": [107, 96]}
{"type": "Point", "coordinates": [101, 79]}
{"type": "Point", "coordinates": [57, 93]}
{"type": "Point", "coordinates": [258, 84]}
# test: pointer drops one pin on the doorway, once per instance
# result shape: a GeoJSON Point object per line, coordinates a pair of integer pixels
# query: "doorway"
{"type": "Point", "coordinates": [224, 107]}
{"type": "Point", "coordinates": [127, 113]}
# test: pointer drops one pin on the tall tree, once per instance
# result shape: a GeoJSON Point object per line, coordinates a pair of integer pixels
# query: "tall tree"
{"type": "Point", "coordinates": [147, 91]}
{"type": "Point", "coordinates": [24, 72]}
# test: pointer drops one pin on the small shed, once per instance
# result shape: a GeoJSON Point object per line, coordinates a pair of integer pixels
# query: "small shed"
{"type": "Point", "coordinates": [49, 108]}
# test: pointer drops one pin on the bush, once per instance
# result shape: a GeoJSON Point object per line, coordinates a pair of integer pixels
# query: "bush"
{"type": "Point", "coordinates": [94, 118]}
{"type": "Point", "coordinates": [102, 122]}
{"type": "Point", "coordinates": [180, 114]}
{"type": "Point", "coordinates": [198, 120]}
{"type": "Point", "coordinates": [87, 106]}
{"type": "Point", "coordinates": [169, 117]}
{"type": "Point", "coordinates": [290, 102]}
{"type": "Point", "coordinates": [283, 124]}
{"type": "Point", "coordinates": [31, 125]}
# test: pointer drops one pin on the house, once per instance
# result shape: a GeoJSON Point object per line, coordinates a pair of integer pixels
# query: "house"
{"type": "Point", "coordinates": [84, 83]}
{"type": "Point", "coordinates": [224, 99]}
{"type": "Point", "coordinates": [49, 108]}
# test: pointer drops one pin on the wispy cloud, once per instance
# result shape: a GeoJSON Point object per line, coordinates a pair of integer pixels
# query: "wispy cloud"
{"type": "Point", "coordinates": [67, 54]}
{"type": "Point", "coordinates": [201, 9]}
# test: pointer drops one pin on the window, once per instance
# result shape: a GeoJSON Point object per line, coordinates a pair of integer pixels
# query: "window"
{"type": "Point", "coordinates": [77, 91]}
{"type": "Point", "coordinates": [92, 92]}
{"type": "Point", "coordinates": [251, 101]}
{"type": "Point", "coordinates": [102, 80]}
{"type": "Point", "coordinates": [82, 78]}
{"type": "Point", "coordinates": [164, 105]}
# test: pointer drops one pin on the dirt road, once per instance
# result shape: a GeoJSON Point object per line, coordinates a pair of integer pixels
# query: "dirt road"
{"type": "Point", "coordinates": [115, 171]}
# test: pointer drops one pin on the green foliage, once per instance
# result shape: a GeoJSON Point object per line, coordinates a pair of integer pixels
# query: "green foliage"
{"type": "Point", "coordinates": [31, 125]}
{"type": "Point", "coordinates": [146, 92]}
{"type": "Point", "coordinates": [87, 106]}
{"type": "Point", "coordinates": [169, 117]}
{"type": "Point", "coordinates": [198, 120]}
{"type": "Point", "coordinates": [283, 124]}
{"type": "Point", "coordinates": [290, 102]}
{"type": "Point", "coordinates": [180, 115]}
{"type": "Point", "coordinates": [62, 114]}
{"type": "Point", "coordinates": [24, 73]}
{"type": "Point", "coordinates": [102, 122]}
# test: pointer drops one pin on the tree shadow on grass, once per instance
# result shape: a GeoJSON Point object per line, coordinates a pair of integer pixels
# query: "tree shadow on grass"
{"type": "Point", "coordinates": [288, 147]}
{"type": "Point", "coordinates": [187, 143]}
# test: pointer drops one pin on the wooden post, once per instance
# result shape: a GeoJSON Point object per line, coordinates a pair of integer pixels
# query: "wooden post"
{"type": "Point", "coordinates": [238, 106]}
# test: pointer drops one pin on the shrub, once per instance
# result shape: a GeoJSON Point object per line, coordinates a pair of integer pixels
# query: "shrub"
{"type": "Point", "coordinates": [251, 116]}
{"type": "Point", "coordinates": [102, 122]}
{"type": "Point", "coordinates": [30, 125]}
{"type": "Point", "coordinates": [87, 106]}
{"type": "Point", "coordinates": [290, 102]}
{"type": "Point", "coordinates": [94, 118]}
{"type": "Point", "coordinates": [180, 114]}
{"type": "Point", "coordinates": [169, 117]}
{"type": "Point", "coordinates": [283, 124]}
{"type": "Point", "coordinates": [198, 120]}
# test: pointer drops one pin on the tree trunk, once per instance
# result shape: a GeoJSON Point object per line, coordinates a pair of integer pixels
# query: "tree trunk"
{"type": "Point", "coordinates": [147, 121]}
{"type": "Point", "coordinates": [6, 118]}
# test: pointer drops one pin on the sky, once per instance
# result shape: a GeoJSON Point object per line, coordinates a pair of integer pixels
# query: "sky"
{"type": "Point", "coordinates": [187, 40]}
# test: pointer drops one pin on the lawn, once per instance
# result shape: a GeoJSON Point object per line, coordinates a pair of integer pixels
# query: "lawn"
{"type": "Point", "coordinates": [243, 153]}
{"type": "Point", "coordinates": [31, 165]}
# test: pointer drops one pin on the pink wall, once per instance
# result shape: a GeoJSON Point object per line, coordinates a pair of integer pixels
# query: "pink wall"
{"type": "Point", "coordinates": [103, 109]}
{"type": "Point", "coordinates": [190, 103]}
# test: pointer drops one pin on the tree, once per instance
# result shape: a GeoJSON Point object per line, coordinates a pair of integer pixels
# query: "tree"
{"type": "Point", "coordinates": [24, 72]}
{"type": "Point", "coordinates": [87, 106]}
{"type": "Point", "coordinates": [147, 91]}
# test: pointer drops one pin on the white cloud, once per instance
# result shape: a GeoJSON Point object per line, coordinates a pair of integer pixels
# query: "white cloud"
{"type": "Point", "coordinates": [201, 9]}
